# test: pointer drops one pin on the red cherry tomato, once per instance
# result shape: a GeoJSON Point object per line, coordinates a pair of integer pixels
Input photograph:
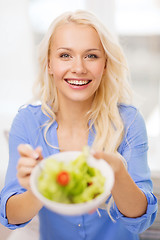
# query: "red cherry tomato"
{"type": "Point", "coordinates": [63, 178]}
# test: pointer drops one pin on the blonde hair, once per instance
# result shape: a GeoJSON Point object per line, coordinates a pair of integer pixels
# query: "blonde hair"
{"type": "Point", "coordinates": [113, 90]}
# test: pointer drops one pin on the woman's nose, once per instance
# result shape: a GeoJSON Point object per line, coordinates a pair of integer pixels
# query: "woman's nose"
{"type": "Point", "coordinates": [78, 66]}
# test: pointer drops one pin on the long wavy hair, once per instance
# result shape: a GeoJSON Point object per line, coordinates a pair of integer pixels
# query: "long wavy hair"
{"type": "Point", "coordinates": [114, 88]}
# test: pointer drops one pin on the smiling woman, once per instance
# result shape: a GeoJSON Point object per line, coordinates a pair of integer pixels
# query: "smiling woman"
{"type": "Point", "coordinates": [76, 62]}
{"type": "Point", "coordinates": [79, 44]}
{"type": "Point", "coordinates": [85, 100]}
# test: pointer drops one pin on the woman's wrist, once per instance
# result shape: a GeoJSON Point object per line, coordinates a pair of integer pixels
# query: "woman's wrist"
{"type": "Point", "coordinates": [34, 198]}
{"type": "Point", "coordinates": [120, 169]}
{"type": "Point", "coordinates": [22, 207]}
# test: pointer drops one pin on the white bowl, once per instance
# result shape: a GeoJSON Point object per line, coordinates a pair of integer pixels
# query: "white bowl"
{"type": "Point", "coordinates": [76, 208]}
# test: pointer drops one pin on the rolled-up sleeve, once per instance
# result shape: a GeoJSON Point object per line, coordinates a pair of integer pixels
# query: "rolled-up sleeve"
{"type": "Point", "coordinates": [134, 149]}
{"type": "Point", "coordinates": [139, 224]}
{"type": "Point", "coordinates": [17, 136]}
{"type": "Point", "coordinates": [8, 191]}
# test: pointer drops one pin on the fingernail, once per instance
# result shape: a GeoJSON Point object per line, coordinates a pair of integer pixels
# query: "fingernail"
{"type": "Point", "coordinates": [35, 155]}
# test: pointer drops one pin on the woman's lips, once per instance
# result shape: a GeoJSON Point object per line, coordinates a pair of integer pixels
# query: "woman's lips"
{"type": "Point", "coordinates": [78, 82]}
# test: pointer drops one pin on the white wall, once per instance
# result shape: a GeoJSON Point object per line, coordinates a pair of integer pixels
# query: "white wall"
{"type": "Point", "coordinates": [104, 10]}
{"type": "Point", "coordinates": [16, 54]}
{"type": "Point", "coordinates": [16, 67]}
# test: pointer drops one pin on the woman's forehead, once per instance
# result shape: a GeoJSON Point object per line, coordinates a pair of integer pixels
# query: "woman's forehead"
{"type": "Point", "coordinates": [75, 34]}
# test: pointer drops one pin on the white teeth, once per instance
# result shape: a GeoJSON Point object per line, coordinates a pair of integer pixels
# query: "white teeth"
{"type": "Point", "coordinates": [76, 82]}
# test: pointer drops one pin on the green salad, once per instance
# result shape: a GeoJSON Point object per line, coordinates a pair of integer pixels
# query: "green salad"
{"type": "Point", "coordinates": [71, 182]}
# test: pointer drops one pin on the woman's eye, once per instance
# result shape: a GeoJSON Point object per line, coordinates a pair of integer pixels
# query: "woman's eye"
{"type": "Point", "coordinates": [92, 56]}
{"type": "Point", "coordinates": [64, 55]}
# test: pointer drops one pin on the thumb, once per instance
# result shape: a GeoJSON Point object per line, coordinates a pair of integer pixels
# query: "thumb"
{"type": "Point", "coordinates": [39, 151]}
{"type": "Point", "coordinates": [99, 155]}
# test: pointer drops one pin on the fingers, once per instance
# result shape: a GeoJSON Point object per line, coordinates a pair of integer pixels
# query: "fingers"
{"type": "Point", "coordinates": [24, 170]}
{"type": "Point", "coordinates": [27, 151]}
{"type": "Point", "coordinates": [102, 155]}
{"type": "Point", "coordinates": [114, 160]}
{"type": "Point", "coordinates": [92, 211]}
{"type": "Point", "coordinates": [97, 155]}
{"type": "Point", "coordinates": [28, 160]}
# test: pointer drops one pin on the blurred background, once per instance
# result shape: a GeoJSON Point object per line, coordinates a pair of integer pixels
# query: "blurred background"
{"type": "Point", "coordinates": [137, 25]}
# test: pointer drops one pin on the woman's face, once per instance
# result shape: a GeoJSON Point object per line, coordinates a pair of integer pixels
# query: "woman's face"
{"type": "Point", "coordinates": [76, 61]}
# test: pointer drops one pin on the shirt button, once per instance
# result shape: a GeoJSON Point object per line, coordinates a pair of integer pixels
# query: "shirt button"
{"type": "Point", "coordinates": [79, 225]}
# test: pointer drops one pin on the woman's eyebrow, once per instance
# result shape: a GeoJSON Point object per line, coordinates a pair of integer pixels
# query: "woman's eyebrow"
{"type": "Point", "coordinates": [87, 50]}
{"type": "Point", "coordinates": [93, 49]}
{"type": "Point", "coordinates": [64, 48]}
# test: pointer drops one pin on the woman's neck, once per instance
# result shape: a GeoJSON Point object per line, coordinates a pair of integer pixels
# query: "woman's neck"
{"type": "Point", "coordinates": [72, 131]}
{"type": "Point", "coordinates": [73, 115]}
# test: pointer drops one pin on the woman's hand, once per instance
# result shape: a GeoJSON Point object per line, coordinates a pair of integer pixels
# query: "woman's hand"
{"type": "Point", "coordinates": [22, 207]}
{"type": "Point", "coordinates": [28, 160]}
{"type": "Point", "coordinates": [114, 160]}
{"type": "Point", "coordinates": [130, 200]}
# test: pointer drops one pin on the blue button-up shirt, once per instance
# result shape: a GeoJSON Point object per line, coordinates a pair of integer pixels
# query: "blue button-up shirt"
{"type": "Point", "coordinates": [28, 127]}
